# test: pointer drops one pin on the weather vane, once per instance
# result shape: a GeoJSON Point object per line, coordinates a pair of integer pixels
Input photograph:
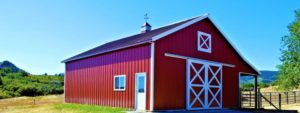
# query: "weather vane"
{"type": "Point", "coordinates": [146, 17]}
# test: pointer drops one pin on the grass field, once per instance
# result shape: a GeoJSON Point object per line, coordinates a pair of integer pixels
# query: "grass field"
{"type": "Point", "coordinates": [54, 104]}
{"type": "Point", "coordinates": [49, 104]}
{"type": "Point", "coordinates": [287, 107]}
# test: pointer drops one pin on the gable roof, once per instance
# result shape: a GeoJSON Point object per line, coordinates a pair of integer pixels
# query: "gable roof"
{"type": "Point", "coordinates": [126, 42]}
{"type": "Point", "coordinates": [148, 37]}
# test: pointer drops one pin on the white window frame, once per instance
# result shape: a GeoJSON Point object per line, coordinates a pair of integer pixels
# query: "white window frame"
{"type": "Point", "coordinates": [209, 39]}
{"type": "Point", "coordinates": [118, 76]}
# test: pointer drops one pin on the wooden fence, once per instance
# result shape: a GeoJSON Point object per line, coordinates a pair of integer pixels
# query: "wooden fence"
{"type": "Point", "coordinates": [267, 99]}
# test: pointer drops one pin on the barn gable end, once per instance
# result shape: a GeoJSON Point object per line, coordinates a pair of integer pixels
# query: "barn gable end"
{"type": "Point", "coordinates": [170, 73]}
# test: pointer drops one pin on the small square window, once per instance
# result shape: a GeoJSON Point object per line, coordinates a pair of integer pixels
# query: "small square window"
{"type": "Point", "coordinates": [119, 83]}
{"type": "Point", "coordinates": [204, 42]}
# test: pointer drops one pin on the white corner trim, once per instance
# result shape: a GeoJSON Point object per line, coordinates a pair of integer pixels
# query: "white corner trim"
{"type": "Point", "coordinates": [157, 37]}
{"type": "Point", "coordinates": [207, 61]}
{"type": "Point", "coordinates": [227, 39]}
{"type": "Point", "coordinates": [152, 77]}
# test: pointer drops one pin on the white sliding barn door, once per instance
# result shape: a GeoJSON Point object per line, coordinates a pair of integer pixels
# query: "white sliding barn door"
{"type": "Point", "coordinates": [204, 85]}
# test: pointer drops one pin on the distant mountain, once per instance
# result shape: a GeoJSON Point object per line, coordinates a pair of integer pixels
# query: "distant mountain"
{"type": "Point", "coordinates": [7, 64]}
{"type": "Point", "coordinates": [265, 77]}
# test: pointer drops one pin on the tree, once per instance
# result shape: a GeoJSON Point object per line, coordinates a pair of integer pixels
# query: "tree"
{"type": "Point", "coordinates": [1, 82]}
{"type": "Point", "coordinates": [289, 70]}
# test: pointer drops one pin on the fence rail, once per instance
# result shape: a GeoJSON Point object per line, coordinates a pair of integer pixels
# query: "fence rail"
{"type": "Point", "coordinates": [267, 99]}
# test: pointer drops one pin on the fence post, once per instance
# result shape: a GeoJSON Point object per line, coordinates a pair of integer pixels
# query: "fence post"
{"type": "Point", "coordinates": [250, 98]}
{"type": "Point", "coordinates": [279, 100]}
{"type": "Point", "coordinates": [295, 98]}
{"type": "Point", "coordinates": [259, 98]}
{"type": "Point", "coordinates": [287, 97]}
{"type": "Point", "coordinates": [240, 95]}
{"type": "Point", "coordinates": [270, 97]}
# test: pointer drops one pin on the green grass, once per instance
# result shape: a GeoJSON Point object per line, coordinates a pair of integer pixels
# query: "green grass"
{"type": "Point", "coordinates": [50, 104]}
{"type": "Point", "coordinates": [78, 108]}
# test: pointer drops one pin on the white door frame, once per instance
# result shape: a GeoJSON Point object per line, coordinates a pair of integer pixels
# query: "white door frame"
{"type": "Point", "coordinates": [206, 85]}
{"type": "Point", "coordinates": [136, 89]}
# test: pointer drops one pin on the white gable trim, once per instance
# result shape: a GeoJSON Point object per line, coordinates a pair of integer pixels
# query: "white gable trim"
{"type": "Point", "coordinates": [227, 39]}
{"type": "Point", "coordinates": [157, 37]}
{"type": "Point", "coordinates": [162, 35]}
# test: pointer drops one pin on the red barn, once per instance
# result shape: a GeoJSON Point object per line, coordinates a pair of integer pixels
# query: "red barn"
{"type": "Point", "coordinates": [188, 65]}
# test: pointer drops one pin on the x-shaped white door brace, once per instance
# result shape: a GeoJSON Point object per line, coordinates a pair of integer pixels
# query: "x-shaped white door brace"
{"type": "Point", "coordinates": [204, 85]}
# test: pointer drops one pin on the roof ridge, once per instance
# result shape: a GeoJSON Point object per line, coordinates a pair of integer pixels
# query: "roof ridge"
{"type": "Point", "coordinates": [186, 19]}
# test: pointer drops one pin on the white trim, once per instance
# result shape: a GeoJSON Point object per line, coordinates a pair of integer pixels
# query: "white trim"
{"type": "Point", "coordinates": [200, 46]}
{"type": "Point", "coordinates": [227, 39]}
{"type": "Point", "coordinates": [119, 82]}
{"type": "Point", "coordinates": [186, 57]}
{"type": "Point", "coordinates": [152, 77]}
{"type": "Point", "coordinates": [136, 89]}
{"type": "Point", "coordinates": [162, 35]}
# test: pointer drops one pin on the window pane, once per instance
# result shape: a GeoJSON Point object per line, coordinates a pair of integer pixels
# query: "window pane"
{"type": "Point", "coordinates": [117, 83]}
{"type": "Point", "coordinates": [122, 83]}
{"type": "Point", "coordinates": [141, 85]}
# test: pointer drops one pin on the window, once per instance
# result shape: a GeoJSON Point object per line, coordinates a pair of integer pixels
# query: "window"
{"type": "Point", "coordinates": [119, 83]}
{"type": "Point", "coordinates": [204, 42]}
{"type": "Point", "coordinates": [141, 87]}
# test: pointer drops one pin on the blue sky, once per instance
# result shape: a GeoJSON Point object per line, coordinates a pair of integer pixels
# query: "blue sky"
{"type": "Point", "coordinates": [37, 34]}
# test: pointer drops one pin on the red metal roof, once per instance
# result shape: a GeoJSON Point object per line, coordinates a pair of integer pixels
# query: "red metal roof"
{"type": "Point", "coordinates": [126, 42]}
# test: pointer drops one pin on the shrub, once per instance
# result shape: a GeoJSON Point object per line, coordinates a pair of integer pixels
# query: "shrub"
{"type": "Point", "coordinates": [21, 83]}
{"type": "Point", "coordinates": [4, 94]}
{"type": "Point", "coordinates": [30, 90]}
{"type": "Point", "coordinates": [263, 85]}
{"type": "Point", "coordinates": [247, 87]}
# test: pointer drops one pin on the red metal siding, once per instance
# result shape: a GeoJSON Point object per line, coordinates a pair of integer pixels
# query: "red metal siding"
{"type": "Point", "coordinates": [90, 80]}
{"type": "Point", "coordinates": [170, 73]}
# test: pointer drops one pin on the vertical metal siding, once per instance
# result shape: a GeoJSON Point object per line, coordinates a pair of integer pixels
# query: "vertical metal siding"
{"type": "Point", "coordinates": [90, 80]}
{"type": "Point", "coordinates": [170, 73]}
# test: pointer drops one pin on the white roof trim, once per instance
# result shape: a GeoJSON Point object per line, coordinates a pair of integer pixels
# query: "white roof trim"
{"type": "Point", "coordinates": [162, 35]}
{"type": "Point", "coordinates": [227, 39]}
{"type": "Point", "coordinates": [157, 37]}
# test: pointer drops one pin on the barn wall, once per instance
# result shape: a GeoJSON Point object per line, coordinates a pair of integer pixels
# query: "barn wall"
{"type": "Point", "coordinates": [170, 73]}
{"type": "Point", "coordinates": [90, 81]}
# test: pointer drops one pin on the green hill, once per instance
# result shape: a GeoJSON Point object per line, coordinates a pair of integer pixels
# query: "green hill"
{"type": "Point", "coordinates": [7, 64]}
{"type": "Point", "coordinates": [266, 77]}
{"type": "Point", "coordinates": [16, 82]}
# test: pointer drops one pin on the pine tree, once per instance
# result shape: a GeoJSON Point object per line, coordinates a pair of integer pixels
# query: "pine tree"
{"type": "Point", "coordinates": [289, 70]}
